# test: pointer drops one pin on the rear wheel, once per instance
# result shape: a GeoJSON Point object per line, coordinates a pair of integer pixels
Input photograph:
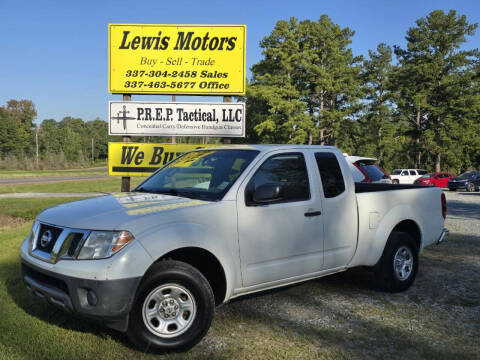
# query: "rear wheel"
{"type": "Point", "coordinates": [173, 309]}
{"type": "Point", "coordinates": [398, 266]}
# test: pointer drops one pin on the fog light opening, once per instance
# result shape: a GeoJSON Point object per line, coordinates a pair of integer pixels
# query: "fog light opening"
{"type": "Point", "coordinates": [92, 298]}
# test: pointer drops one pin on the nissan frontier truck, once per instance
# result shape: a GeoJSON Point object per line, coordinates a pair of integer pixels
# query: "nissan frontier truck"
{"type": "Point", "coordinates": [216, 224]}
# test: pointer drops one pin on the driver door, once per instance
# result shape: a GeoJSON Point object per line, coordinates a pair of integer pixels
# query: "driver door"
{"type": "Point", "coordinates": [284, 238]}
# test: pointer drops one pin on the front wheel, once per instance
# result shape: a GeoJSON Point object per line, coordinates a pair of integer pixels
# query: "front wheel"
{"type": "Point", "coordinates": [395, 181]}
{"type": "Point", "coordinates": [398, 266]}
{"type": "Point", "coordinates": [173, 309]}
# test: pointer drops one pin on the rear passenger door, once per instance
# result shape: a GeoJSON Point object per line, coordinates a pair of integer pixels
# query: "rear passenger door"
{"type": "Point", "coordinates": [340, 214]}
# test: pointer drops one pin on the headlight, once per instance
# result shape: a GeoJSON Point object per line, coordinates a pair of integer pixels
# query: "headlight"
{"type": "Point", "coordinates": [33, 230]}
{"type": "Point", "coordinates": [103, 244]}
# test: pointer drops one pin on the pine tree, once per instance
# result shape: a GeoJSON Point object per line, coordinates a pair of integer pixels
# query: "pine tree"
{"type": "Point", "coordinates": [378, 132]}
{"type": "Point", "coordinates": [433, 81]}
{"type": "Point", "coordinates": [307, 83]}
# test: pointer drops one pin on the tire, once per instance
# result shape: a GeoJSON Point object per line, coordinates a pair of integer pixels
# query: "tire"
{"type": "Point", "coordinates": [395, 181]}
{"type": "Point", "coordinates": [470, 187]}
{"type": "Point", "coordinates": [400, 249]}
{"type": "Point", "coordinates": [173, 308]}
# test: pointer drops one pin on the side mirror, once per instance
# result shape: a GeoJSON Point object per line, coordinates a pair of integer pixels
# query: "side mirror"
{"type": "Point", "coordinates": [267, 193]}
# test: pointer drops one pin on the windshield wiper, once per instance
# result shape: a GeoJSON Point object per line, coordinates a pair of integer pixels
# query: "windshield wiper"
{"type": "Point", "coordinates": [166, 192]}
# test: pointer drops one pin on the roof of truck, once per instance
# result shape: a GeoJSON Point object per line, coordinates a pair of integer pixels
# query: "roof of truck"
{"type": "Point", "coordinates": [270, 147]}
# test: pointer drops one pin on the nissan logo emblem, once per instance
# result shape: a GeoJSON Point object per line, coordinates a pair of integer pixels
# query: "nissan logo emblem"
{"type": "Point", "coordinates": [46, 238]}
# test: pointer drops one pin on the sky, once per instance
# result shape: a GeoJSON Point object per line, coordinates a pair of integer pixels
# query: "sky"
{"type": "Point", "coordinates": [55, 52]}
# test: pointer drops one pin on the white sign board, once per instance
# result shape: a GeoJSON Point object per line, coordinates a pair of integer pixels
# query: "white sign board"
{"type": "Point", "coordinates": [177, 119]}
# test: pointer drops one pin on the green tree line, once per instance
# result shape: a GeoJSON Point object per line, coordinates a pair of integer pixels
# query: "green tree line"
{"type": "Point", "coordinates": [421, 110]}
{"type": "Point", "coordinates": [413, 106]}
{"type": "Point", "coordinates": [61, 144]}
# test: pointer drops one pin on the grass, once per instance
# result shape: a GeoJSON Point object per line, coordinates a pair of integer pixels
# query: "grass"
{"type": "Point", "coordinates": [338, 317]}
{"type": "Point", "coordinates": [111, 184]}
{"type": "Point", "coordinates": [29, 208]}
{"type": "Point", "coordinates": [8, 174]}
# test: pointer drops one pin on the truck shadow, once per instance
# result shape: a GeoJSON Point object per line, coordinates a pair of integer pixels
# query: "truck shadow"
{"type": "Point", "coordinates": [463, 210]}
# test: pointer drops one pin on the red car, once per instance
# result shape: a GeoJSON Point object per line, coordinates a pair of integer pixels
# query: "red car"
{"type": "Point", "coordinates": [438, 179]}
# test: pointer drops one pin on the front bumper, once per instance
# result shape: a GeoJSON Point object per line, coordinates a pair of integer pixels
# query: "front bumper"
{"type": "Point", "coordinates": [108, 300]}
{"type": "Point", "coordinates": [443, 236]}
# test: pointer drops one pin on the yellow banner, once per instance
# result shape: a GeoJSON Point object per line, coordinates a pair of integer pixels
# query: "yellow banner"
{"type": "Point", "coordinates": [177, 59]}
{"type": "Point", "coordinates": [140, 159]}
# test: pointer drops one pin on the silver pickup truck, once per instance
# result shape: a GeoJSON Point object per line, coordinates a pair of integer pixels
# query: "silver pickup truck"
{"type": "Point", "coordinates": [215, 224]}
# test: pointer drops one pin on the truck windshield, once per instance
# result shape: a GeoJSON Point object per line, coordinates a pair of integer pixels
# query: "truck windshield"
{"type": "Point", "coordinates": [203, 174]}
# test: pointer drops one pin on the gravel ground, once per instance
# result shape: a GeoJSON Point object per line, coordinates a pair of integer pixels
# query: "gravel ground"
{"type": "Point", "coordinates": [342, 315]}
{"type": "Point", "coordinates": [463, 212]}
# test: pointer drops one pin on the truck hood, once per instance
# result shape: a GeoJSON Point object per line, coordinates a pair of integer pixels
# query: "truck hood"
{"type": "Point", "coordinates": [118, 211]}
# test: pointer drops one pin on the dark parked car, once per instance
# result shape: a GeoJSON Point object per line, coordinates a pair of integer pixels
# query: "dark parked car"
{"type": "Point", "coordinates": [469, 181]}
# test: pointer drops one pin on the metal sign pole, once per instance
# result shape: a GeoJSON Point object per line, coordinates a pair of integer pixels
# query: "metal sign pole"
{"type": "Point", "coordinates": [174, 138]}
{"type": "Point", "coordinates": [227, 99]}
{"type": "Point", "coordinates": [126, 139]}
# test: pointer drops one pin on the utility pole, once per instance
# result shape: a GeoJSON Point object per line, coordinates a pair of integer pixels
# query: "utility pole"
{"type": "Point", "coordinates": [36, 142]}
{"type": "Point", "coordinates": [92, 152]}
{"type": "Point", "coordinates": [126, 179]}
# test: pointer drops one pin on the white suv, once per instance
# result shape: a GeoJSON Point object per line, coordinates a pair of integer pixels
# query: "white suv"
{"type": "Point", "coordinates": [406, 176]}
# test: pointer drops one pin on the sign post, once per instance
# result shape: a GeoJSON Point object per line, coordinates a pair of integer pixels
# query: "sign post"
{"type": "Point", "coordinates": [126, 179]}
{"type": "Point", "coordinates": [174, 138]}
{"type": "Point", "coordinates": [227, 99]}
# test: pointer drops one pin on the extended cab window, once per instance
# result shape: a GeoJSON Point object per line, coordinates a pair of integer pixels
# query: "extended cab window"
{"type": "Point", "coordinates": [330, 173]}
{"type": "Point", "coordinates": [287, 170]}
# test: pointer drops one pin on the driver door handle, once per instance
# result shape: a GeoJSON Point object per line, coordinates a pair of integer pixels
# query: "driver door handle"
{"type": "Point", "coordinates": [313, 213]}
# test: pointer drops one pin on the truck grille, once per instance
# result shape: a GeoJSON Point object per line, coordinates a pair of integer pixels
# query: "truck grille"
{"type": "Point", "coordinates": [50, 233]}
{"type": "Point", "coordinates": [51, 243]}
